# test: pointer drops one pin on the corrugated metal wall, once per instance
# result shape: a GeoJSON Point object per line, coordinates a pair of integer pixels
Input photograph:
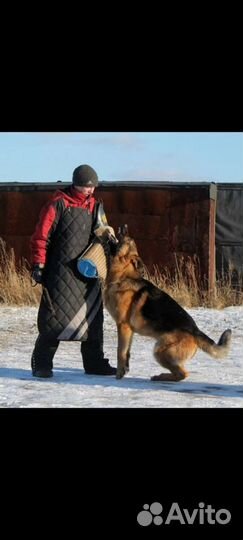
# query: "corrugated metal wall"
{"type": "Point", "coordinates": [229, 231]}
{"type": "Point", "coordinates": [164, 218]}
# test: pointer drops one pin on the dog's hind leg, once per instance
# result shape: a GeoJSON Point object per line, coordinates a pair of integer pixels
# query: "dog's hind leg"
{"type": "Point", "coordinates": [178, 373]}
{"type": "Point", "coordinates": [125, 335]}
{"type": "Point", "coordinates": [171, 352]}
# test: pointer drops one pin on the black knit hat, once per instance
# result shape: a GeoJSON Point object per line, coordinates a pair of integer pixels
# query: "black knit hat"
{"type": "Point", "coordinates": [84, 175]}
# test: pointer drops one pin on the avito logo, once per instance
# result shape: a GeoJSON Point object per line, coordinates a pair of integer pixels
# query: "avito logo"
{"type": "Point", "coordinates": [153, 513]}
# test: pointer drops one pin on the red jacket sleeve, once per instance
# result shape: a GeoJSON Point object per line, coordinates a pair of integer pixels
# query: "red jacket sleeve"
{"type": "Point", "coordinates": [40, 239]}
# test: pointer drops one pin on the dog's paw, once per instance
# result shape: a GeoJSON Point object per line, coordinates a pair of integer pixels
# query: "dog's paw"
{"type": "Point", "coordinates": [156, 378]}
{"type": "Point", "coordinates": [162, 377]}
{"type": "Point", "coordinates": [120, 373]}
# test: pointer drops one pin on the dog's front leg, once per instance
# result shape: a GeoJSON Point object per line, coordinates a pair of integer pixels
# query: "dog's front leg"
{"type": "Point", "coordinates": [125, 335]}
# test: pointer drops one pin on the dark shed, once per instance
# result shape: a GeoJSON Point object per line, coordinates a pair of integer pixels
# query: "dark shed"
{"type": "Point", "coordinates": [229, 230]}
{"type": "Point", "coordinates": [166, 219]}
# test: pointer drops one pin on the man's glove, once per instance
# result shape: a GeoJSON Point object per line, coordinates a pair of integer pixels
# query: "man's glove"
{"type": "Point", "coordinates": [37, 273]}
{"type": "Point", "coordinates": [105, 232]}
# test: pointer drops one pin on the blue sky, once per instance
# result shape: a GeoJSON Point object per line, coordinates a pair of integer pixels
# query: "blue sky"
{"type": "Point", "coordinates": [165, 156]}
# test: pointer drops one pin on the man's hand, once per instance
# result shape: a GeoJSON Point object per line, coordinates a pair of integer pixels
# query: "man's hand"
{"type": "Point", "coordinates": [106, 232]}
{"type": "Point", "coordinates": [37, 272]}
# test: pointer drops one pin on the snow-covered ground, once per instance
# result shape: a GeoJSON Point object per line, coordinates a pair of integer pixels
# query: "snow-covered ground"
{"type": "Point", "coordinates": [211, 383]}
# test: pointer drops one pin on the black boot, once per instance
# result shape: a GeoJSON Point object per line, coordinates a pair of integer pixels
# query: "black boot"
{"type": "Point", "coordinates": [103, 368]}
{"type": "Point", "coordinates": [94, 361]}
{"type": "Point", "coordinates": [43, 373]}
{"type": "Point", "coordinates": [92, 349]}
{"type": "Point", "coordinates": [42, 356]}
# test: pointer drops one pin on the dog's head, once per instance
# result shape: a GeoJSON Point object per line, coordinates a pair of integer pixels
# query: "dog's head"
{"type": "Point", "coordinates": [124, 255]}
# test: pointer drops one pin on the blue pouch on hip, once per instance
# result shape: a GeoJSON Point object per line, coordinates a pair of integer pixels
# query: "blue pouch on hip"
{"type": "Point", "coordinates": [87, 268]}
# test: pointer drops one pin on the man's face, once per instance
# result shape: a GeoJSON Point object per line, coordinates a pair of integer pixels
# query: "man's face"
{"type": "Point", "coordinates": [86, 190]}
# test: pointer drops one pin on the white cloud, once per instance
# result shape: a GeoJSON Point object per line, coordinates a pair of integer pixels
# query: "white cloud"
{"type": "Point", "coordinates": [155, 174]}
{"type": "Point", "coordinates": [127, 140]}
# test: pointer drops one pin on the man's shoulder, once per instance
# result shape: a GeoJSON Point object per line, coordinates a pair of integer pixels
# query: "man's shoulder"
{"type": "Point", "coordinates": [60, 194]}
{"type": "Point", "coordinates": [57, 196]}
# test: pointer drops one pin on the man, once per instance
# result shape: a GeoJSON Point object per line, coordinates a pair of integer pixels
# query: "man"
{"type": "Point", "coordinates": [71, 306]}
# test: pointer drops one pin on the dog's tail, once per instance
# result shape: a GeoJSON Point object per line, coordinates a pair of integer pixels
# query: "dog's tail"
{"type": "Point", "coordinates": [217, 350]}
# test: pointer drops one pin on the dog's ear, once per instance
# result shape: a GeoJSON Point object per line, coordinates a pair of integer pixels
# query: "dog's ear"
{"type": "Point", "coordinates": [122, 231]}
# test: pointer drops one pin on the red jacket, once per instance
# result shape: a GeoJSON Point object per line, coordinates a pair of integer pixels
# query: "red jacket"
{"type": "Point", "coordinates": [40, 239]}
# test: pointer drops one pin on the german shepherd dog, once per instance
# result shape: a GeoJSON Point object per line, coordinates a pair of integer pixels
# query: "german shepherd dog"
{"type": "Point", "coordinates": [138, 306]}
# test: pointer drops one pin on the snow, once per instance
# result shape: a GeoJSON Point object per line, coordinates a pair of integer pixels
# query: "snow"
{"type": "Point", "coordinates": [211, 383]}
